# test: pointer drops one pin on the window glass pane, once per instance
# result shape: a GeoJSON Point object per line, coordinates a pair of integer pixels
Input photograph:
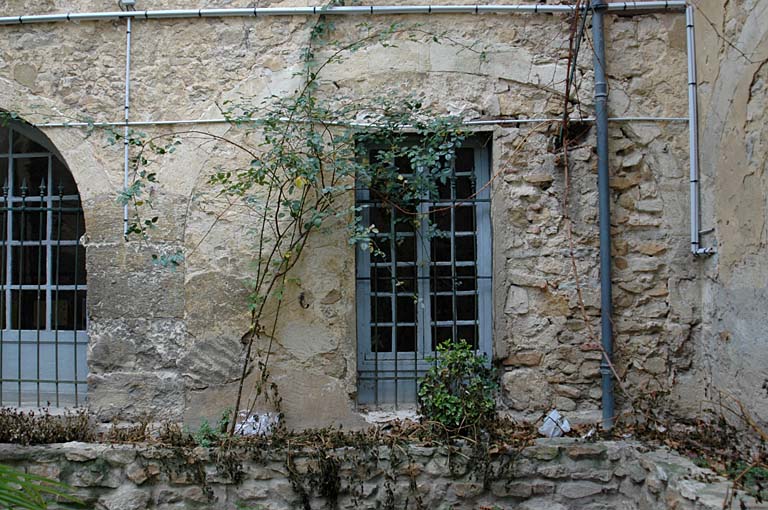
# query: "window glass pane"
{"type": "Point", "coordinates": [465, 187]}
{"type": "Point", "coordinates": [442, 308]}
{"type": "Point", "coordinates": [466, 308]}
{"type": "Point", "coordinates": [403, 165]}
{"type": "Point", "coordinates": [465, 160]}
{"type": "Point", "coordinates": [381, 309]}
{"type": "Point", "coordinates": [405, 249]}
{"type": "Point", "coordinates": [468, 333]}
{"type": "Point", "coordinates": [382, 250]}
{"type": "Point", "coordinates": [465, 218]}
{"type": "Point", "coordinates": [406, 339]}
{"type": "Point", "coordinates": [406, 279]}
{"type": "Point", "coordinates": [29, 173]}
{"type": "Point", "coordinates": [4, 139]}
{"type": "Point", "coordinates": [381, 279]}
{"type": "Point", "coordinates": [465, 278]}
{"type": "Point", "coordinates": [29, 222]}
{"type": "Point", "coordinates": [380, 217]}
{"type": "Point", "coordinates": [27, 309]}
{"type": "Point", "coordinates": [440, 249]}
{"type": "Point", "coordinates": [63, 182]}
{"type": "Point", "coordinates": [28, 265]}
{"type": "Point", "coordinates": [381, 339]}
{"type": "Point", "coordinates": [441, 219]}
{"type": "Point", "coordinates": [68, 309]}
{"type": "Point", "coordinates": [68, 265]}
{"type": "Point", "coordinates": [441, 335]}
{"type": "Point", "coordinates": [444, 190]}
{"type": "Point", "coordinates": [68, 221]}
{"type": "Point", "coordinates": [406, 220]}
{"type": "Point", "coordinates": [3, 174]}
{"type": "Point", "coordinates": [440, 279]}
{"type": "Point", "coordinates": [22, 144]}
{"type": "Point", "coordinates": [465, 248]}
{"type": "Point", "coordinates": [406, 309]}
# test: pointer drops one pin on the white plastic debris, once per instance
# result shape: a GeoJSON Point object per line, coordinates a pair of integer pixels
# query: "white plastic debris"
{"type": "Point", "coordinates": [256, 424]}
{"type": "Point", "coordinates": [555, 425]}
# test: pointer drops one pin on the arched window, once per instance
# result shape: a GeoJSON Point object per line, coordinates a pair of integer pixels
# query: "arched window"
{"type": "Point", "coordinates": [43, 337]}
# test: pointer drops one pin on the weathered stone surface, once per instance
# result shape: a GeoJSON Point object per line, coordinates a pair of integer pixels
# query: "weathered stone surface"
{"type": "Point", "coordinates": [132, 394]}
{"type": "Point", "coordinates": [550, 480]}
{"type": "Point", "coordinates": [512, 489]}
{"type": "Point", "coordinates": [585, 450]}
{"type": "Point", "coordinates": [119, 455]}
{"type": "Point", "coordinates": [526, 359]}
{"type": "Point", "coordinates": [125, 498]}
{"type": "Point", "coordinates": [577, 490]}
{"type": "Point", "coordinates": [144, 319]}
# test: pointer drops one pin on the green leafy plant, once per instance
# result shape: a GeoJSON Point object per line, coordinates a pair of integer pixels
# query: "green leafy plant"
{"type": "Point", "coordinates": [31, 492]}
{"type": "Point", "coordinates": [207, 435]}
{"type": "Point", "coordinates": [458, 391]}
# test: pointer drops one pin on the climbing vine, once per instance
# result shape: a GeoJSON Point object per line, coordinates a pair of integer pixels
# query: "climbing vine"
{"type": "Point", "coordinates": [300, 177]}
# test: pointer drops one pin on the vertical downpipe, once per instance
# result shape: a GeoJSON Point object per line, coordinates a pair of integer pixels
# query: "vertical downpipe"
{"type": "Point", "coordinates": [604, 194]}
{"type": "Point", "coordinates": [693, 140]}
{"type": "Point", "coordinates": [127, 116]}
{"type": "Point", "coordinates": [693, 137]}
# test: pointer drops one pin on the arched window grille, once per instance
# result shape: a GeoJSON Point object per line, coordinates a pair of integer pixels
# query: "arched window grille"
{"type": "Point", "coordinates": [43, 288]}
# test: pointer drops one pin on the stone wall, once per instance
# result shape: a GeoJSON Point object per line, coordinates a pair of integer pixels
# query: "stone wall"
{"type": "Point", "coordinates": [731, 358]}
{"type": "Point", "coordinates": [556, 474]}
{"type": "Point", "coordinates": [168, 343]}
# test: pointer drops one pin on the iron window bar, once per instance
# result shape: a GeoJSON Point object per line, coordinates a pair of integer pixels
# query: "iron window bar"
{"type": "Point", "coordinates": [404, 290]}
{"type": "Point", "coordinates": [43, 337]}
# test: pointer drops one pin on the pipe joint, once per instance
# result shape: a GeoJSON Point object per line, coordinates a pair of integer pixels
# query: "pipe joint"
{"type": "Point", "coordinates": [599, 5]}
{"type": "Point", "coordinates": [704, 252]}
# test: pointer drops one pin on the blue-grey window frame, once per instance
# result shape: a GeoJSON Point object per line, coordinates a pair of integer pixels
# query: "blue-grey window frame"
{"type": "Point", "coordinates": [396, 375]}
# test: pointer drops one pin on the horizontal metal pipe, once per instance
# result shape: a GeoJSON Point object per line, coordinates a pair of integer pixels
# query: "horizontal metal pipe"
{"type": "Point", "coordinates": [140, 123]}
{"type": "Point", "coordinates": [670, 5]}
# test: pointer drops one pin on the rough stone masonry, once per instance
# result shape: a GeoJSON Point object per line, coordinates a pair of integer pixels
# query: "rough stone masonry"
{"type": "Point", "coordinates": [554, 474]}
{"type": "Point", "coordinates": [154, 348]}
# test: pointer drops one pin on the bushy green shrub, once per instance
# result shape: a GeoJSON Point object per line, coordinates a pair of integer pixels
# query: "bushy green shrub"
{"type": "Point", "coordinates": [458, 391]}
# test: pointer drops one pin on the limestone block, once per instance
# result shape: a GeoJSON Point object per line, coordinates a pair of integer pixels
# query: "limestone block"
{"type": "Point", "coordinates": [511, 489]}
{"type": "Point", "coordinates": [125, 498]}
{"type": "Point", "coordinates": [526, 388]}
{"type": "Point", "coordinates": [154, 292]}
{"type": "Point", "coordinates": [541, 504]}
{"type": "Point", "coordinates": [135, 344]}
{"type": "Point", "coordinates": [119, 455]}
{"type": "Point", "coordinates": [517, 300]}
{"type": "Point", "coordinates": [526, 359]}
{"type": "Point", "coordinates": [578, 490]}
{"type": "Point", "coordinates": [131, 395]}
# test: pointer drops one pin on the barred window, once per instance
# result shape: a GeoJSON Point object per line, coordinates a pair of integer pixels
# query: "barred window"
{"type": "Point", "coordinates": [427, 278]}
{"type": "Point", "coordinates": [43, 288]}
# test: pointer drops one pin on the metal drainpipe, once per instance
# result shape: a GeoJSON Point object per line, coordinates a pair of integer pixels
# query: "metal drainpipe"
{"type": "Point", "coordinates": [126, 130]}
{"type": "Point", "coordinates": [628, 6]}
{"type": "Point", "coordinates": [604, 194]}
{"type": "Point", "coordinates": [693, 145]}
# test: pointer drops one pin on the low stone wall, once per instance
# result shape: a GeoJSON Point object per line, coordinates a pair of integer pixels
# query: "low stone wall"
{"type": "Point", "coordinates": [553, 474]}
